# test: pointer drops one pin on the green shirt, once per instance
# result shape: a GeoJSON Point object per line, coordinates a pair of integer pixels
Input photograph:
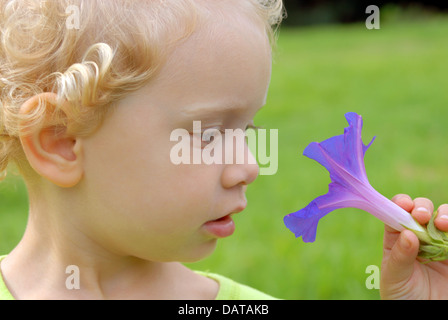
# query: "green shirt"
{"type": "Point", "coordinates": [4, 292]}
{"type": "Point", "coordinates": [231, 290]}
{"type": "Point", "coordinates": [228, 289]}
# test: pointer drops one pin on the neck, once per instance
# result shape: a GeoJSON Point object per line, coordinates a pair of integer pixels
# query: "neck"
{"type": "Point", "coordinates": [51, 267]}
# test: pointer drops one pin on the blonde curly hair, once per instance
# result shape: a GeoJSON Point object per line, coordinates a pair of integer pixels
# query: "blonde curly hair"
{"type": "Point", "coordinates": [117, 48]}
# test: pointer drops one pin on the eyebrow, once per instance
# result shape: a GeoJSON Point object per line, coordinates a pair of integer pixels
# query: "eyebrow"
{"type": "Point", "coordinates": [205, 109]}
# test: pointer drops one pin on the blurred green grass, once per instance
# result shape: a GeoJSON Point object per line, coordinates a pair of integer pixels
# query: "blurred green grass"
{"type": "Point", "coordinates": [395, 78]}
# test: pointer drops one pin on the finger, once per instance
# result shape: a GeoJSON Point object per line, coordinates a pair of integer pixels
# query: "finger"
{"type": "Point", "coordinates": [441, 221]}
{"type": "Point", "coordinates": [390, 237]}
{"type": "Point", "coordinates": [423, 209]}
{"type": "Point", "coordinates": [404, 201]}
{"type": "Point", "coordinates": [399, 265]}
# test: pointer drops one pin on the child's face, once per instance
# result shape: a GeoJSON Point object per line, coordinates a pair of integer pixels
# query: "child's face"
{"type": "Point", "coordinates": [137, 201]}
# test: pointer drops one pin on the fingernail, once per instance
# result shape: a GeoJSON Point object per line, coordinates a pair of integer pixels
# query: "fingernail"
{"type": "Point", "coordinates": [422, 209]}
{"type": "Point", "coordinates": [423, 213]}
{"type": "Point", "coordinates": [442, 217]}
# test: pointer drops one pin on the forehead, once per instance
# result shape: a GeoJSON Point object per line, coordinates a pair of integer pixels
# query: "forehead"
{"type": "Point", "coordinates": [224, 34]}
{"type": "Point", "coordinates": [224, 58]}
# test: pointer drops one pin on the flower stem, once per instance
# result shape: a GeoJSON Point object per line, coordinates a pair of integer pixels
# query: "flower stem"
{"type": "Point", "coordinates": [433, 242]}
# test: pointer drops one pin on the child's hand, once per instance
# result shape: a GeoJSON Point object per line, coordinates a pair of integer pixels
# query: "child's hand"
{"type": "Point", "coordinates": [402, 276]}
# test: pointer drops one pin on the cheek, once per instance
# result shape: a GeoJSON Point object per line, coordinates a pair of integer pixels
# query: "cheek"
{"type": "Point", "coordinates": [138, 179]}
{"type": "Point", "coordinates": [141, 199]}
{"type": "Point", "coordinates": [185, 192]}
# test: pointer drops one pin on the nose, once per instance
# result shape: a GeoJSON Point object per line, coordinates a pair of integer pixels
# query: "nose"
{"type": "Point", "coordinates": [240, 174]}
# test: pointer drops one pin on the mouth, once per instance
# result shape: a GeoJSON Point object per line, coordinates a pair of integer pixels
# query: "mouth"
{"type": "Point", "coordinates": [221, 228]}
{"type": "Point", "coordinates": [225, 226]}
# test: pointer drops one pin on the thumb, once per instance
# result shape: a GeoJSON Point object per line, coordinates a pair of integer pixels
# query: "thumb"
{"type": "Point", "coordinates": [399, 262]}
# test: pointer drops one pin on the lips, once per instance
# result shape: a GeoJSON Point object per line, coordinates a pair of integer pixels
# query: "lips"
{"type": "Point", "coordinates": [224, 226]}
{"type": "Point", "coordinates": [220, 228]}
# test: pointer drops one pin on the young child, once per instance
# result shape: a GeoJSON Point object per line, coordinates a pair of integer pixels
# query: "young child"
{"type": "Point", "coordinates": [91, 91]}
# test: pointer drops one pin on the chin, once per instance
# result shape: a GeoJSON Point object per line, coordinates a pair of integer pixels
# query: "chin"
{"type": "Point", "coordinates": [198, 253]}
{"type": "Point", "coordinates": [185, 254]}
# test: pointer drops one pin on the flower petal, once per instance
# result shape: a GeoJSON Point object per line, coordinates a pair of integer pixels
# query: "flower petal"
{"type": "Point", "coordinates": [343, 153]}
{"type": "Point", "coordinates": [343, 157]}
{"type": "Point", "coordinates": [304, 222]}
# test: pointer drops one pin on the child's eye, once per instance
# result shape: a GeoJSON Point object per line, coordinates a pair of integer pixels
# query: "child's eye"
{"type": "Point", "coordinates": [209, 135]}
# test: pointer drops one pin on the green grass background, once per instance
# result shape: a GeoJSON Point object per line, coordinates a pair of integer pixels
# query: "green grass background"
{"type": "Point", "coordinates": [396, 78]}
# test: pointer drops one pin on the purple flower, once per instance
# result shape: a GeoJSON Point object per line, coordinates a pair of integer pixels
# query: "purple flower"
{"type": "Point", "coordinates": [343, 157]}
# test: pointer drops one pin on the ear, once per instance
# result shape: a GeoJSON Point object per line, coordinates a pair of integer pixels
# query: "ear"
{"type": "Point", "coordinates": [52, 153]}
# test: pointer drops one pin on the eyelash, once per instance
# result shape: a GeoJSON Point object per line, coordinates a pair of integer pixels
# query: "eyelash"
{"type": "Point", "coordinates": [249, 126]}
